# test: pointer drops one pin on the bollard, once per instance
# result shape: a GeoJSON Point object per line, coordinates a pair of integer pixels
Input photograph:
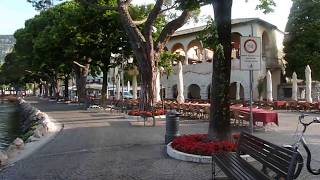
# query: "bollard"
{"type": "Point", "coordinates": [172, 125]}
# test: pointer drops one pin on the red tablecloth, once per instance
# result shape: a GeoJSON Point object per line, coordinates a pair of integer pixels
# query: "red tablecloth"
{"type": "Point", "coordinates": [280, 103]}
{"type": "Point", "coordinates": [260, 115]}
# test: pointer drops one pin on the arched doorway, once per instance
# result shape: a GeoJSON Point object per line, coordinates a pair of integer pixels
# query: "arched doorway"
{"type": "Point", "coordinates": [194, 91]}
{"type": "Point", "coordinates": [233, 91]}
{"type": "Point", "coordinates": [174, 91]}
{"type": "Point", "coordinates": [265, 44]}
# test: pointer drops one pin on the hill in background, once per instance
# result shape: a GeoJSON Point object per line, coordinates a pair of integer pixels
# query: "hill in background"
{"type": "Point", "coordinates": [6, 45]}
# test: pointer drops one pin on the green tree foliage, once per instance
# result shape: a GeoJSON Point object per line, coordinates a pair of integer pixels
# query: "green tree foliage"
{"type": "Point", "coordinates": [166, 60]}
{"type": "Point", "coordinates": [209, 36]}
{"type": "Point", "coordinates": [302, 44]}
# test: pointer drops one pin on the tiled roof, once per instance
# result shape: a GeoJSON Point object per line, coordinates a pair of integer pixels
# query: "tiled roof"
{"type": "Point", "coordinates": [233, 22]}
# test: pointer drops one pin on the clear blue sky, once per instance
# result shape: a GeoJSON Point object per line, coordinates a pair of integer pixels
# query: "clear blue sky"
{"type": "Point", "coordinates": [13, 13]}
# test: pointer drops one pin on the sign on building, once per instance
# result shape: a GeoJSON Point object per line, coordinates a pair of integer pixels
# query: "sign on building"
{"type": "Point", "coordinates": [250, 52]}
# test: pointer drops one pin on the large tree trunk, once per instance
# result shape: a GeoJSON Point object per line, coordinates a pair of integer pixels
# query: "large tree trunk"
{"type": "Point", "coordinates": [143, 45]}
{"type": "Point", "coordinates": [81, 80]}
{"type": "Point", "coordinates": [144, 54]}
{"type": "Point", "coordinates": [46, 89]}
{"type": "Point", "coordinates": [34, 89]}
{"type": "Point", "coordinates": [219, 125]}
{"type": "Point", "coordinates": [66, 87]}
{"type": "Point", "coordinates": [40, 89]}
{"type": "Point", "coordinates": [56, 87]}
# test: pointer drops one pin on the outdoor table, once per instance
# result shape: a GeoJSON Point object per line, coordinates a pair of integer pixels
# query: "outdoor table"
{"type": "Point", "coordinates": [260, 115]}
{"type": "Point", "coordinates": [280, 103]}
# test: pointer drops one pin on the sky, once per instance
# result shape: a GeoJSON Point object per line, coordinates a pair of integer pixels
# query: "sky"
{"type": "Point", "coordinates": [13, 13]}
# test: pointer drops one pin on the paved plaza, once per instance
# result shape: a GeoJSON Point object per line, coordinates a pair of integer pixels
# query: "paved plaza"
{"type": "Point", "coordinates": [101, 145]}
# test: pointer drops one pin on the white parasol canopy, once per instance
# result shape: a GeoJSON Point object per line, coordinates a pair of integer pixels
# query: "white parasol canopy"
{"type": "Point", "coordinates": [157, 96]}
{"type": "Point", "coordinates": [269, 87]}
{"type": "Point", "coordinates": [294, 87]}
{"type": "Point", "coordinates": [308, 84]}
{"type": "Point", "coordinates": [180, 97]}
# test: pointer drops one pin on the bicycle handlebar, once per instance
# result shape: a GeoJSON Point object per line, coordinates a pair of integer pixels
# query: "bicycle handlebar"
{"type": "Point", "coordinates": [315, 120]}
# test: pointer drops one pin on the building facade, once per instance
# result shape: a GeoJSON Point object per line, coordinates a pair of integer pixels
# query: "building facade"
{"type": "Point", "coordinates": [197, 61]}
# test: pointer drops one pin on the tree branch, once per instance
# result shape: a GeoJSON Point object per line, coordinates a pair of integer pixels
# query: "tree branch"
{"type": "Point", "coordinates": [139, 22]}
{"type": "Point", "coordinates": [170, 28]}
{"type": "Point", "coordinates": [130, 27]}
{"type": "Point", "coordinates": [152, 17]}
{"type": "Point", "coordinates": [80, 65]}
{"type": "Point", "coordinates": [169, 8]}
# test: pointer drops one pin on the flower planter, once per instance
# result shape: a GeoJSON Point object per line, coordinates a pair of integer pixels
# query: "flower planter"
{"type": "Point", "coordinates": [196, 158]}
{"type": "Point", "coordinates": [129, 117]}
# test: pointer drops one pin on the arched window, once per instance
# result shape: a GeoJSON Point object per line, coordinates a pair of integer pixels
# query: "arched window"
{"type": "Point", "coordinates": [233, 91]}
{"type": "Point", "coordinates": [194, 91]}
{"type": "Point", "coordinates": [265, 43]}
{"type": "Point", "coordinates": [174, 91]}
{"type": "Point", "coordinates": [195, 52]}
{"type": "Point", "coordinates": [235, 45]}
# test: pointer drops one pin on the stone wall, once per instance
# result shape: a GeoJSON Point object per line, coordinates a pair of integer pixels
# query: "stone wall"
{"type": "Point", "coordinates": [34, 125]}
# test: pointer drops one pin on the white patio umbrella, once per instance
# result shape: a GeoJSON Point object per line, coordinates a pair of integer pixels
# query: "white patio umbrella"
{"type": "Point", "coordinates": [128, 86]}
{"type": "Point", "coordinates": [294, 87]}
{"type": "Point", "coordinates": [157, 88]}
{"type": "Point", "coordinates": [303, 94]}
{"type": "Point", "coordinates": [238, 91]}
{"type": "Point", "coordinates": [308, 84]}
{"type": "Point", "coordinates": [269, 87]}
{"type": "Point", "coordinates": [180, 97]}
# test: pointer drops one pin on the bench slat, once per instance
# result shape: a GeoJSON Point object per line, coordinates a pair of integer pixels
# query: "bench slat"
{"type": "Point", "coordinates": [267, 155]}
{"type": "Point", "coordinates": [237, 168]}
{"type": "Point", "coordinates": [275, 166]}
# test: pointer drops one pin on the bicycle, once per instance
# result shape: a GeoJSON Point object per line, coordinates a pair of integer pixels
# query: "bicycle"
{"type": "Point", "coordinates": [301, 140]}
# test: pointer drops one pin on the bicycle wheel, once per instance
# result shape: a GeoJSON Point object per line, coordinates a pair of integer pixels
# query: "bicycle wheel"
{"type": "Point", "coordinates": [300, 162]}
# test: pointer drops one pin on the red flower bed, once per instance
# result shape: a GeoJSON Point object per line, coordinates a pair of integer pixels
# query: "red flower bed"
{"type": "Point", "coordinates": [198, 144]}
{"type": "Point", "coordinates": [137, 112]}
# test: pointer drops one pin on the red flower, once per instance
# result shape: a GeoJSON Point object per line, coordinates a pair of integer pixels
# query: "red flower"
{"type": "Point", "coordinates": [198, 144]}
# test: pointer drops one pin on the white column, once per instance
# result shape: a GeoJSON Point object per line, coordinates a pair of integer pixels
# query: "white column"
{"type": "Point", "coordinates": [180, 97]}
{"type": "Point", "coordinates": [308, 84]}
{"type": "Point", "coordinates": [294, 87]}
{"type": "Point", "coordinates": [186, 58]}
{"type": "Point", "coordinates": [238, 91]}
{"type": "Point", "coordinates": [157, 96]}
{"type": "Point", "coordinates": [269, 87]}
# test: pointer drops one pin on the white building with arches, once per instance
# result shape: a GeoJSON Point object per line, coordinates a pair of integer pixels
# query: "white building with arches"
{"type": "Point", "coordinates": [197, 61]}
